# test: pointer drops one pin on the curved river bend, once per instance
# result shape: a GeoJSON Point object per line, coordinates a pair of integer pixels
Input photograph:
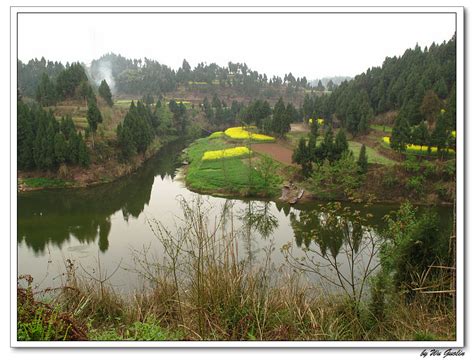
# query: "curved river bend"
{"type": "Point", "coordinates": [102, 228]}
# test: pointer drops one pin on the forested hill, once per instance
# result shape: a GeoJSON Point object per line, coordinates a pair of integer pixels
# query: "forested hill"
{"type": "Point", "coordinates": [414, 86]}
{"type": "Point", "coordinates": [417, 85]}
{"type": "Point", "coordinates": [139, 77]}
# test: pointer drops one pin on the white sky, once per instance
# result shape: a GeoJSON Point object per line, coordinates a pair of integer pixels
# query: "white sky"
{"type": "Point", "coordinates": [311, 45]}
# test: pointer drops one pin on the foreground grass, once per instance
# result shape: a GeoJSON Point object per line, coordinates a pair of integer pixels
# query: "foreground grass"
{"type": "Point", "coordinates": [225, 307]}
{"type": "Point", "coordinates": [202, 289]}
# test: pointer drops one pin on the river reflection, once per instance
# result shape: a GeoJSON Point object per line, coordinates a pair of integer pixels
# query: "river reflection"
{"type": "Point", "coordinates": [107, 223]}
{"type": "Point", "coordinates": [55, 216]}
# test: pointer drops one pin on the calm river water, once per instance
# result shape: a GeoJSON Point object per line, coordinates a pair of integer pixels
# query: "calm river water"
{"type": "Point", "coordinates": [102, 227]}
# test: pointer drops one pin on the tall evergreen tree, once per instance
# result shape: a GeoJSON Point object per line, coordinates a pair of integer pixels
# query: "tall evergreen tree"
{"type": "Point", "coordinates": [400, 134]}
{"type": "Point", "coordinates": [440, 135]}
{"type": "Point", "coordinates": [105, 93]}
{"type": "Point", "coordinates": [363, 161]}
{"type": "Point", "coordinates": [302, 156]}
{"type": "Point", "coordinates": [340, 144]}
{"type": "Point", "coordinates": [281, 120]}
{"type": "Point", "coordinates": [94, 117]}
{"type": "Point", "coordinates": [46, 91]}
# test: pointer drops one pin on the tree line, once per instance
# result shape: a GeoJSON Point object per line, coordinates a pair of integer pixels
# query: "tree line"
{"type": "Point", "coordinates": [44, 143]}
{"type": "Point", "coordinates": [143, 122]}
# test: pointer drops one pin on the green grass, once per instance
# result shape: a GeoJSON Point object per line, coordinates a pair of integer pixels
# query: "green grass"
{"type": "Point", "coordinates": [373, 156]}
{"type": "Point", "coordinates": [384, 128]}
{"type": "Point", "coordinates": [149, 330]}
{"type": "Point", "coordinates": [124, 102]}
{"type": "Point", "coordinates": [46, 183]}
{"type": "Point", "coordinates": [227, 175]}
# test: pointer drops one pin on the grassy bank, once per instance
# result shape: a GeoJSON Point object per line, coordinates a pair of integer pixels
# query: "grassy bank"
{"type": "Point", "coordinates": [250, 175]}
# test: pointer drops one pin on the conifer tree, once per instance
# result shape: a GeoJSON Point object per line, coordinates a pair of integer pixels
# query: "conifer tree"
{"type": "Point", "coordinates": [440, 135]}
{"type": "Point", "coordinates": [94, 117]}
{"type": "Point", "coordinates": [362, 161]}
{"type": "Point", "coordinates": [400, 134]}
{"type": "Point", "coordinates": [280, 121]}
{"type": "Point", "coordinates": [340, 144]}
{"type": "Point", "coordinates": [302, 157]}
{"type": "Point", "coordinates": [105, 93]}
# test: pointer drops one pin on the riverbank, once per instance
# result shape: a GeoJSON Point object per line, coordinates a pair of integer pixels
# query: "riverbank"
{"type": "Point", "coordinates": [267, 173]}
{"type": "Point", "coordinates": [97, 173]}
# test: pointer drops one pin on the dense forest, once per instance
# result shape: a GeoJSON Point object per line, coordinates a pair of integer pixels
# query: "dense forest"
{"type": "Point", "coordinates": [408, 84]}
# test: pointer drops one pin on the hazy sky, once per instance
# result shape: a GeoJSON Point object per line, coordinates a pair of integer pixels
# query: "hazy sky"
{"type": "Point", "coordinates": [311, 45]}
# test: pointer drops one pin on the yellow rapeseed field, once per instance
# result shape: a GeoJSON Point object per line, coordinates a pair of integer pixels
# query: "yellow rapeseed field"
{"type": "Point", "coordinates": [421, 148]}
{"type": "Point", "coordinates": [226, 153]}
{"type": "Point", "coordinates": [240, 133]}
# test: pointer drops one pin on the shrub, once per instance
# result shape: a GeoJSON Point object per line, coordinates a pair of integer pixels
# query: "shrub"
{"type": "Point", "coordinates": [390, 177]}
{"type": "Point", "coordinates": [415, 184]}
{"type": "Point", "coordinates": [415, 242]}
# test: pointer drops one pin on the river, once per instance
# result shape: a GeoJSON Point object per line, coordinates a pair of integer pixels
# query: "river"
{"type": "Point", "coordinates": [103, 229]}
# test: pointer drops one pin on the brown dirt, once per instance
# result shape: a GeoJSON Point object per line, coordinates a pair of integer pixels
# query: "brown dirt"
{"type": "Point", "coordinates": [277, 151]}
{"type": "Point", "coordinates": [299, 127]}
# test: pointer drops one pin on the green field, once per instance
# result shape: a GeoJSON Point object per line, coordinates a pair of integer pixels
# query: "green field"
{"type": "Point", "coordinates": [124, 102]}
{"type": "Point", "coordinates": [384, 128]}
{"type": "Point", "coordinates": [226, 175]}
{"type": "Point", "coordinates": [373, 156]}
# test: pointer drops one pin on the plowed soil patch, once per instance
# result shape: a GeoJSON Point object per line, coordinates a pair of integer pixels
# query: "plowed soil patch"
{"type": "Point", "coordinates": [276, 151]}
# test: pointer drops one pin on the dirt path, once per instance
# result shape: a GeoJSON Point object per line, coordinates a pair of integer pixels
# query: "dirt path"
{"type": "Point", "coordinates": [277, 151]}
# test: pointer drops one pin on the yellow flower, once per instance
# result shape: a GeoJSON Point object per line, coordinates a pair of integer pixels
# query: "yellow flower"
{"type": "Point", "coordinates": [419, 148]}
{"type": "Point", "coordinates": [239, 133]}
{"type": "Point", "coordinates": [226, 153]}
{"type": "Point", "coordinates": [453, 133]}
{"type": "Point", "coordinates": [320, 121]}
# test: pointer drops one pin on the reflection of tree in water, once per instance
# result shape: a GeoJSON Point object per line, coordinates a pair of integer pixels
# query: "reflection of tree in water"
{"type": "Point", "coordinates": [328, 230]}
{"type": "Point", "coordinates": [339, 245]}
{"type": "Point", "coordinates": [53, 216]}
{"type": "Point", "coordinates": [257, 216]}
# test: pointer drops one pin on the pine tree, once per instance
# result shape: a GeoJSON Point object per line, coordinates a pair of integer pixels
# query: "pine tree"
{"type": "Point", "coordinates": [400, 134]}
{"type": "Point", "coordinates": [281, 120]}
{"type": "Point", "coordinates": [440, 135]}
{"type": "Point", "coordinates": [25, 137]}
{"type": "Point", "coordinates": [302, 156]}
{"type": "Point", "coordinates": [327, 146]}
{"type": "Point", "coordinates": [94, 117]}
{"type": "Point", "coordinates": [83, 158]}
{"type": "Point", "coordinates": [362, 161]}
{"type": "Point", "coordinates": [60, 148]}
{"type": "Point", "coordinates": [340, 144]}
{"type": "Point", "coordinates": [46, 91]}
{"type": "Point", "coordinates": [106, 94]}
